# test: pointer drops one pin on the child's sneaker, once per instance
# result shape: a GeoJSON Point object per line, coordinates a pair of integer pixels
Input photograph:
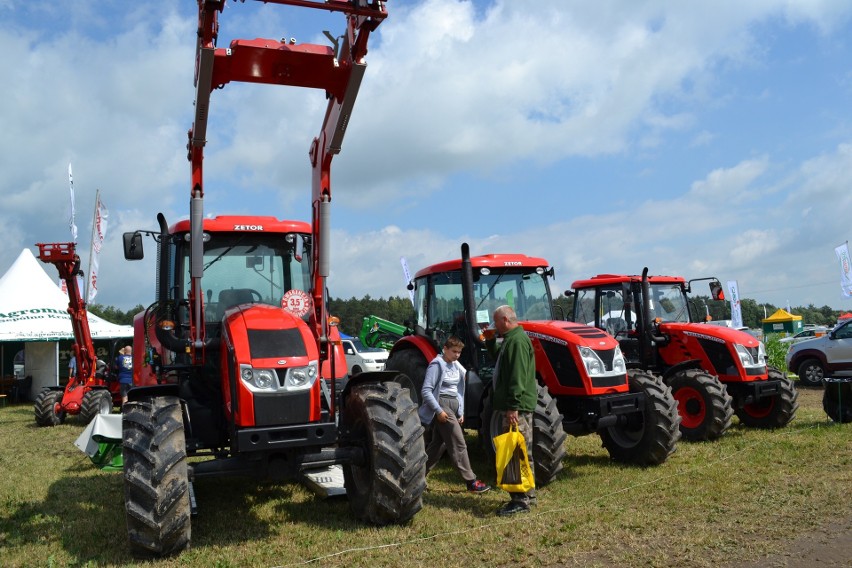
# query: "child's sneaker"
{"type": "Point", "coordinates": [478, 487]}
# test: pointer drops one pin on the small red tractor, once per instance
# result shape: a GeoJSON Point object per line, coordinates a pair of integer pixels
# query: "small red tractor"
{"type": "Point", "coordinates": [240, 365]}
{"type": "Point", "coordinates": [584, 385]}
{"type": "Point", "coordinates": [713, 371]}
{"type": "Point", "coordinates": [88, 393]}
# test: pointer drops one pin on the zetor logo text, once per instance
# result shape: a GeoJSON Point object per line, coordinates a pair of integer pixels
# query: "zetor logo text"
{"type": "Point", "coordinates": [511, 263]}
{"type": "Point", "coordinates": [248, 227]}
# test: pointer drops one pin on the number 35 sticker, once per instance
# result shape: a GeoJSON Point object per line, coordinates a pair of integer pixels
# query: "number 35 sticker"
{"type": "Point", "coordinates": [297, 302]}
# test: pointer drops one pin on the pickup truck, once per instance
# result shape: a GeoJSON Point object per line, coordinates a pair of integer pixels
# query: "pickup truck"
{"type": "Point", "coordinates": [817, 358]}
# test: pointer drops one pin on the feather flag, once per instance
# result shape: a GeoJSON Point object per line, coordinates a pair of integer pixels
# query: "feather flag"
{"type": "Point", "coordinates": [72, 223]}
{"type": "Point", "coordinates": [99, 227]}
{"type": "Point", "coordinates": [842, 253]}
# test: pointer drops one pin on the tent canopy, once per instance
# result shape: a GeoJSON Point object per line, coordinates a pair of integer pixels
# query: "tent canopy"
{"type": "Point", "coordinates": [780, 316]}
{"type": "Point", "coordinates": [33, 308]}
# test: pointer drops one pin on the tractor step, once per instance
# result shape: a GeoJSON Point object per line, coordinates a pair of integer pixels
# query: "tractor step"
{"type": "Point", "coordinates": [325, 481]}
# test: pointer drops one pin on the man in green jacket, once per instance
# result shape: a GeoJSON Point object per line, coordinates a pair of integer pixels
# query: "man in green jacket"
{"type": "Point", "coordinates": [515, 390]}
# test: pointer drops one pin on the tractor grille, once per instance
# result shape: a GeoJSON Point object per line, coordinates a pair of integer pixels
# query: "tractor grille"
{"type": "Point", "coordinates": [720, 357]}
{"type": "Point", "coordinates": [276, 343]}
{"type": "Point", "coordinates": [563, 364]}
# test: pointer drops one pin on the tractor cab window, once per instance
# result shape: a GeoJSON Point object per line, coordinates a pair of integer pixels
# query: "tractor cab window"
{"type": "Point", "coordinates": [605, 308]}
{"type": "Point", "coordinates": [668, 303]}
{"type": "Point", "coordinates": [242, 268]}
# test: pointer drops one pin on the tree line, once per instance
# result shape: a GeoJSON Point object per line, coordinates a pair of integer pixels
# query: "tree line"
{"type": "Point", "coordinates": [352, 312]}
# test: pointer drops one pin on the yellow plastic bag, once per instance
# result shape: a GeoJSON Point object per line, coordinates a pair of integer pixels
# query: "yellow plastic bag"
{"type": "Point", "coordinates": [514, 473]}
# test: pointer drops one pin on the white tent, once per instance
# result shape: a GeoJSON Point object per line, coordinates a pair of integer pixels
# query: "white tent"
{"type": "Point", "coordinates": [34, 309]}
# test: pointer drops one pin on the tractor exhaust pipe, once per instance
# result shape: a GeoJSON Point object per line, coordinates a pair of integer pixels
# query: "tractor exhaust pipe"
{"type": "Point", "coordinates": [467, 294]}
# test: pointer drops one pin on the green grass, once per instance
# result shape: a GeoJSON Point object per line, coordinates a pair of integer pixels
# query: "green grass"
{"type": "Point", "coordinates": [731, 501]}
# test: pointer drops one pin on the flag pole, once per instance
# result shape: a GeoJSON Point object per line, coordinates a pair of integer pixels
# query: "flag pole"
{"type": "Point", "coordinates": [88, 274]}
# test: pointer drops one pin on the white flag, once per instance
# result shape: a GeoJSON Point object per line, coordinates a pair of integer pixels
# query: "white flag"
{"type": "Point", "coordinates": [407, 278]}
{"type": "Point", "coordinates": [72, 224]}
{"type": "Point", "coordinates": [736, 309]}
{"type": "Point", "coordinates": [98, 234]}
{"type": "Point", "coordinates": [842, 253]}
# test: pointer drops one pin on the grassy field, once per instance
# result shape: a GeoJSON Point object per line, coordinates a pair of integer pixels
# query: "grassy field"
{"type": "Point", "coordinates": [727, 502]}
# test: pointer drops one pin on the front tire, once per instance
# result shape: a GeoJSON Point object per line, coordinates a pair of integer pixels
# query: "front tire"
{"type": "Point", "coordinates": [388, 486]}
{"type": "Point", "coordinates": [548, 436]}
{"type": "Point", "coordinates": [651, 437]}
{"type": "Point", "coordinates": [48, 408]}
{"type": "Point", "coordinates": [95, 402]}
{"type": "Point", "coordinates": [772, 412]}
{"type": "Point", "coordinates": [837, 401]}
{"type": "Point", "coordinates": [156, 481]}
{"type": "Point", "coordinates": [411, 363]}
{"type": "Point", "coordinates": [703, 404]}
{"type": "Point", "coordinates": [811, 373]}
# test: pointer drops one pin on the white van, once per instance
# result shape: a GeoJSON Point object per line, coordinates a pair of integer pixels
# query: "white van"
{"type": "Point", "coordinates": [360, 358]}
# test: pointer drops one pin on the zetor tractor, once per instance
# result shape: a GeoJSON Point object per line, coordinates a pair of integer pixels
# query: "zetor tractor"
{"type": "Point", "coordinates": [584, 386]}
{"type": "Point", "coordinates": [89, 393]}
{"type": "Point", "coordinates": [242, 366]}
{"type": "Point", "coordinates": [713, 371]}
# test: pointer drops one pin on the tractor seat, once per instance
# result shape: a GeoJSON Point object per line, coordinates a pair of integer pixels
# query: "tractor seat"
{"type": "Point", "coordinates": [234, 297]}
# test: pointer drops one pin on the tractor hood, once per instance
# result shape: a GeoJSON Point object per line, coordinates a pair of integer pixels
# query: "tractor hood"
{"type": "Point", "coordinates": [566, 332]}
{"type": "Point", "coordinates": [711, 332]}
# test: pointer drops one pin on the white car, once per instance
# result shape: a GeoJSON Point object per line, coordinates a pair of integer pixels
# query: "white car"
{"type": "Point", "coordinates": [805, 334]}
{"type": "Point", "coordinates": [360, 358]}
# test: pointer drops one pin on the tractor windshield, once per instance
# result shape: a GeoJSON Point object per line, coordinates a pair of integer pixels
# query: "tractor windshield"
{"type": "Point", "coordinates": [668, 302]}
{"type": "Point", "coordinates": [443, 308]}
{"type": "Point", "coordinates": [241, 268]}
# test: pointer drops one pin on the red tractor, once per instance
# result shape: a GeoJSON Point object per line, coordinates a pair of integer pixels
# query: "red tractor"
{"type": "Point", "coordinates": [584, 386]}
{"type": "Point", "coordinates": [241, 365]}
{"type": "Point", "coordinates": [713, 371]}
{"type": "Point", "coordinates": [88, 393]}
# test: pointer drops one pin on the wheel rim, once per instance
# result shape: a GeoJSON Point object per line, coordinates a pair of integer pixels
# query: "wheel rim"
{"type": "Point", "coordinates": [761, 408]}
{"type": "Point", "coordinates": [813, 374]}
{"type": "Point", "coordinates": [691, 407]}
{"type": "Point", "coordinates": [106, 405]}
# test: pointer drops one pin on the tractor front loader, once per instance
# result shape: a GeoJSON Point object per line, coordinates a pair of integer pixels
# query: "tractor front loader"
{"type": "Point", "coordinates": [241, 367]}
{"type": "Point", "coordinates": [89, 392]}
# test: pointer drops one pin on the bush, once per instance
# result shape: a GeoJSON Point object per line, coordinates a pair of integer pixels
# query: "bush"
{"type": "Point", "coordinates": [775, 352]}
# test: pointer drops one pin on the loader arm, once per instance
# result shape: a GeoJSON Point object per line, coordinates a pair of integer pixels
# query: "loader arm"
{"type": "Point", "coordinates": [64, 257]}
{"type": "Point", "coordinates": [279, 62]}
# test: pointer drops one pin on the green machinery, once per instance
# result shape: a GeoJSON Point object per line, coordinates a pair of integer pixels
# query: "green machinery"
{"type": "Point", "coordinates": [378, 332]}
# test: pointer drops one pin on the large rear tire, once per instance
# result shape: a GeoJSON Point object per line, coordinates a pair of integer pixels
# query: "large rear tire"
{"type": "Point", "coordinates": [95, 402]}
{"type": "Point", "coordinates": [650, 437]}
{"type": "Point", "coordinates": [388, 486]}
{"type": "Point", "coordinates": [548, 436]}
{"type": "Point", "coordinates": [703, 404]}
{"type": "Point", "coordinates": [156, 482]}
{"type": "Point", "coordinates": [47, 409]}
{"type": "Point", "coordinates": [411, 363]}
{"type": "Point", "coordinates": [773, 412]}
{"type": "Point", "coordinates": [837, 401]}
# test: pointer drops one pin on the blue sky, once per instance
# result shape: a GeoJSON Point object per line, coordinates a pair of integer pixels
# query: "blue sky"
{"type": "Point", "coordinates": [695, 138]}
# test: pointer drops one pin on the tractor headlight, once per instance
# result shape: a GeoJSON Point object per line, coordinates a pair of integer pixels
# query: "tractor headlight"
{"type": "Point", "coordinates": [761, 354]}
{"type": "Point", "coordinates": [618, 363]}
{"type": "Point", "coordinates": [745, 357]}
{"type": "Point", "coordinates": [258, 379]}
{"type": "Point", "coordinates": [301, 378]}
{"type": "Point", "coordinates": [594, 365]}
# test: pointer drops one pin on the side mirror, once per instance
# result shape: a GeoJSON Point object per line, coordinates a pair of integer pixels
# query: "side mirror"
{"type": "Point", "coordinates": [133, 246]}
{"type": "Point", "coordinates": [716, 291]}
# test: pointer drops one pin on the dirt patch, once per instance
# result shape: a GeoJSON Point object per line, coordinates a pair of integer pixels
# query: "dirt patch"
{"type": "Point", "coordinates": [829, 546]}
